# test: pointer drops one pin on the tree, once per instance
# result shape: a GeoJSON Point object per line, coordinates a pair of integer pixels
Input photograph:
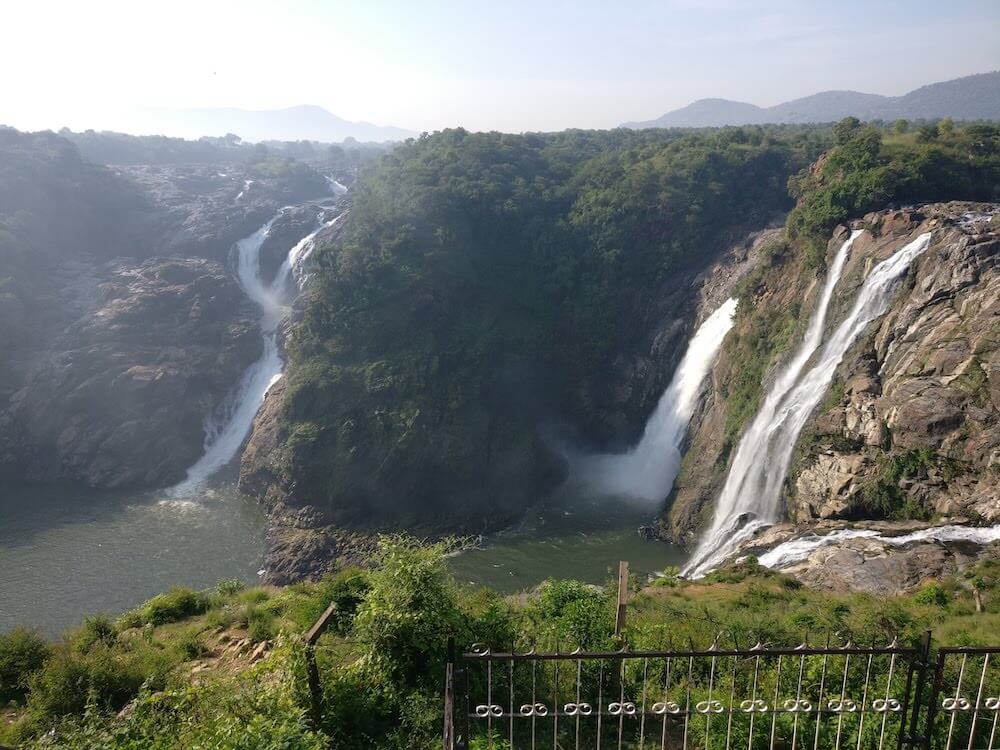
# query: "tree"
{"type": "Point", "coordinates": [844, 130]}
{"type": "Point", "coordinates": [927, 133]}
{"type": "Point", "coordinates": [946, 126]}
{"type": "Point", "coordinates": [901, 126]}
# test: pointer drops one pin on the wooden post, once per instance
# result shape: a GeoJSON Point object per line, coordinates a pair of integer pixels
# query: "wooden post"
{"type": "Point", "coordinates": [312, 670]}
{"type": "Point", "coordinates": [622, 597]}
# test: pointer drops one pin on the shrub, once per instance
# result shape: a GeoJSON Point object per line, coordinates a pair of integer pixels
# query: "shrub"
{"type": "Point", "coordinates": [229, 586]}
{"type": "Point", "coordinates": [177, 604]}
{"type": "Point", "coordinates": [22, 652]}
{"type": "Point", "coordinates": [107, 677]}
{"type": "Point", "coordinates": [932, 593]}
{"type": "Point", "coordinates": [411, 609]}
{"type": "Point", "coordinates": [95, 629]}
{"type": "Point", "coordinates": [261, 624]}
{"type": "Point", "coordinates": [574, 611]}
{"type": "Point", "coordinates": [259, 710]}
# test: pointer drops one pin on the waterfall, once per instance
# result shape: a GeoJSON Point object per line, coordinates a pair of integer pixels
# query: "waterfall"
{"type": "Point", "coordinates": [226, 430]}
{"type": "Point", "coordinates": [788, 553]}
{"type": "Point", "coordinates": [647, 471]}
{"type": "Point", "coordinates": [751, 496]}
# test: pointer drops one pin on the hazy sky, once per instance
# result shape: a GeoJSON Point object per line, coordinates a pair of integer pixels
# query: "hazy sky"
{"type": "Point", "coordinates": [506, 64]}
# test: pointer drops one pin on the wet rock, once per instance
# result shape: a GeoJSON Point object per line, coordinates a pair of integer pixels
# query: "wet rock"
{"type": "Point", "coordinates": [122, 400]}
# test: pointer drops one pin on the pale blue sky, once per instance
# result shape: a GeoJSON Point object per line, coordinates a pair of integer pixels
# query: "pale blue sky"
{"type": "Point", "coordinates": [513, 65]}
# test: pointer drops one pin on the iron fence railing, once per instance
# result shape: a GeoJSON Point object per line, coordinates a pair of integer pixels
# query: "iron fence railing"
{"type": "Point", "coordinates": [833, 696]}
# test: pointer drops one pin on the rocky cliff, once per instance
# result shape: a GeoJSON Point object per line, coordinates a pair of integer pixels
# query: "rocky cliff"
{"type": "Point", "coordinates": [122, 328]}
{"type": "Point", "coordinates": [910, 427]}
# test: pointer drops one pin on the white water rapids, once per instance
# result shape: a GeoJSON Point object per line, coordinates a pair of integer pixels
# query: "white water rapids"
{"type": "Point", "coordinates": [750, 498]}
{"type": "Point", "coordinates": [793, 551]}
{"type": "Point", "coordinates": [226, 431]}
{"type": "Point", "coordinates": [647, 471]}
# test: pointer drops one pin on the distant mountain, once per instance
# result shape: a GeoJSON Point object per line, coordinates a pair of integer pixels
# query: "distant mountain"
{"type": "Point", "coordinates": [302, 123]}
{"type": "Point", "coordinates": [974, 97]}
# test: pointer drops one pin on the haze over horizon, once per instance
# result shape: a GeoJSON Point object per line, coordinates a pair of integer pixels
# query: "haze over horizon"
{"type": "Point", "coordinates": [523, 66]}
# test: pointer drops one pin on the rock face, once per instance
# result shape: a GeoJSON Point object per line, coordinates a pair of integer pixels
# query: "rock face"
{"type": "Point", "coordinates": [877, 568]}
{"type": "Point", "coordinates": [121, 326]}
{"type": "Point", "coordinates": [909, 426]}
{"type": "Point", "coordinates": [121, 400]}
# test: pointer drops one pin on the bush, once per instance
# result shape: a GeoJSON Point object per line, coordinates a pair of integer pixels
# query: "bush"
{"type": "Point", "coordinates": [410, 611]}
{"type": "Point", "coordinates": [575, 612]}
{"type": "Point", "coordinates": [346, 588]}
{"type": "Point", "coordinates": [107, 677]}
{"type": "Point", "coordinates": [261, 710]}
{"type": "Point", "coordinates": [22, 652]}
{"type": "Point", "coordinates": [933, 594]}
{"type": "Point", "coordinates": [229, 586]}
{"type": "Point", "coordinates": [95, 629]}
{"type": "Point", "coordinates": [177, 604]}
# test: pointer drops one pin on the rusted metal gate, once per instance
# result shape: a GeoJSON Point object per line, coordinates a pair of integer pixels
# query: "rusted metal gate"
{"type": "Point", "coordinates": [809, 697]}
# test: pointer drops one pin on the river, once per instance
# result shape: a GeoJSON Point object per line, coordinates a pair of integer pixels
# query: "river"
{"type": "Point", "coordinates": [67, 552]}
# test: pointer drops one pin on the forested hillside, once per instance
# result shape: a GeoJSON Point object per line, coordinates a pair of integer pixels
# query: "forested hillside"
{"type": "Point", "coordinates": [484, 290]}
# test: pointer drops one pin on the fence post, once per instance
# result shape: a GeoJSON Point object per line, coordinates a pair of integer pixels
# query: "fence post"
{"type": "Point", "coordinates": [312, 670]}
{"type": "Point", "coordinates": [935, 695]}
{"type": "Point", "coordinates": [449, 696]}
{"type": "Point", "coordinates": [622, 597]}
{"type": "Point", "coordinates": [912, 699]}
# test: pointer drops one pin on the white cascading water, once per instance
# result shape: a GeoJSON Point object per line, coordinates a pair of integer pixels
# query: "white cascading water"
{"type": "Point", "coordinates": [647, 471]}
{"type": "Point", "coordinates": [793, 551]}
{"type": "Point", "coordinates": [750, 498]}
{"type": "Point", "coordinates": [226, 431]}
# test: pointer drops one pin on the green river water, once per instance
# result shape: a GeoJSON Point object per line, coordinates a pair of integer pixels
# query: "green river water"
{"type": "Point", "coordinates": [66, 552]}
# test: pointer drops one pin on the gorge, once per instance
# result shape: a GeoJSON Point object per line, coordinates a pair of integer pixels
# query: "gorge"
{"type": "Point", "coordinates": [489, 300]}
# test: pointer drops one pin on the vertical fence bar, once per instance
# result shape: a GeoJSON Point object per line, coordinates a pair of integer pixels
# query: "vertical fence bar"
{"type": "Point", "coordinates": [888, 697]}
{"type": "Point", "coordinates": [822, 688]}
{"type": "Point", "coordinates": [916, 673]}
{"type": "Point", "coordinates": [449, 697]}
{"type": "Point", "coordinates": [979, 697]}
{"type": "Point", "coordinates": [752, 704]}
{"type": "Point", "coordinates": [774, 706]}
{"type": "Point", "coordinates": [955, 706]}
{"type": "Point", "coordinates": [864, 699]}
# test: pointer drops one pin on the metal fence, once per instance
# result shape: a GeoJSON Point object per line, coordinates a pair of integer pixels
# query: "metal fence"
{"type": "Point", "coordinates": [834, 696]}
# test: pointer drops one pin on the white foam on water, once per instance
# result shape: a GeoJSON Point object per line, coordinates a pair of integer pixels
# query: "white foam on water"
{"type": "Point", "coordinates": [796, 550]}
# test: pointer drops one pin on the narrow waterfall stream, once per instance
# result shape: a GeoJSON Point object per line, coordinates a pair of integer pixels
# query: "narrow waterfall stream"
{"type": "Point", "coordinates": [647, 472]}
{"type": "Point", "coordinates": [750, 498]}
{"type": "Point", "coordinates": [226, 430]}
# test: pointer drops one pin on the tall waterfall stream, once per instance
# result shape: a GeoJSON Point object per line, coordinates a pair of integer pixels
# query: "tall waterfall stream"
{"type": "Point", "coordinates": [750, 498]}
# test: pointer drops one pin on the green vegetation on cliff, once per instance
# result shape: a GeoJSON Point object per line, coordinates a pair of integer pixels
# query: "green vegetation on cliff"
{"type": "Point", "coordinates": [486, 285]}
{"type": "Point", "coordinates": [867, 170]}
{"type": "Point", "coordinates": [181, 665]}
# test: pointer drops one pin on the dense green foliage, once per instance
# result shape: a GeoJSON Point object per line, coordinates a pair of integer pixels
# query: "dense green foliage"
{"type": "Point", "coordinates": [866, 170]}
{"type": "Point", "coordinates": [486, 284]}
{"type": "Point", "coordinates": [381, 667]}
{"type": "Point", "coordinates": [22, 652]}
